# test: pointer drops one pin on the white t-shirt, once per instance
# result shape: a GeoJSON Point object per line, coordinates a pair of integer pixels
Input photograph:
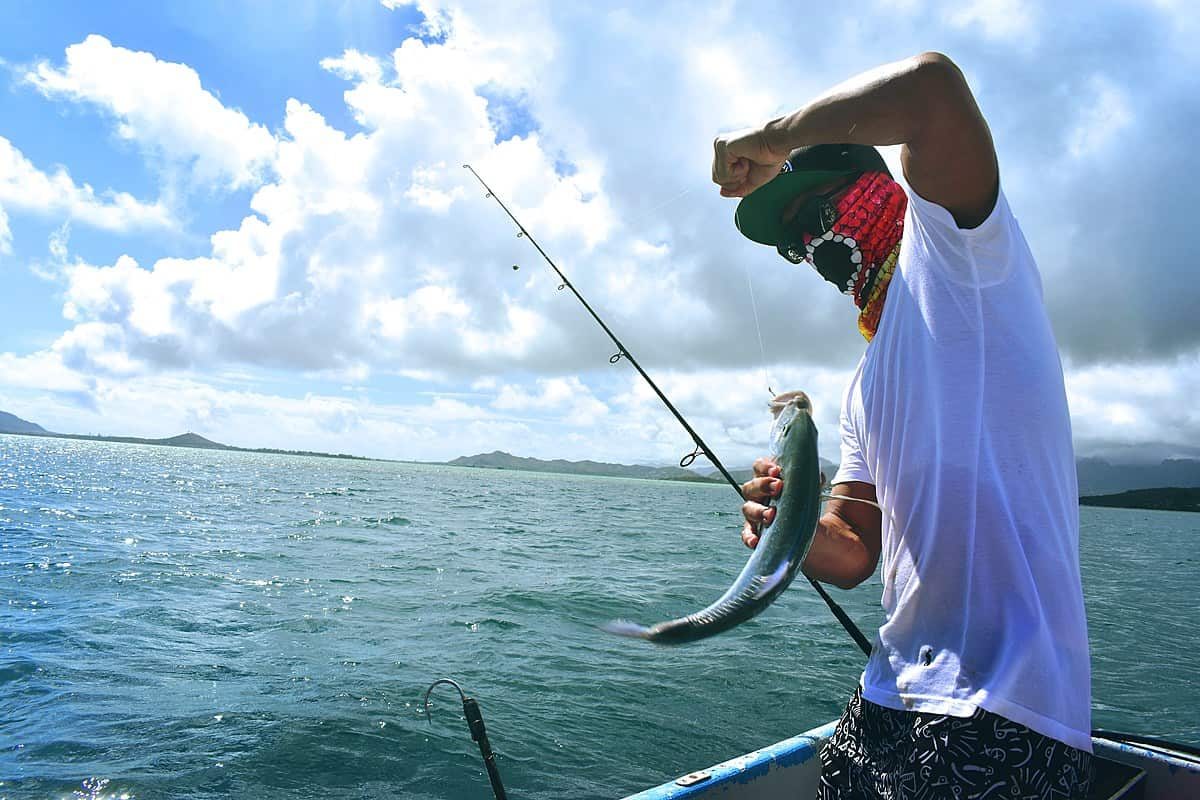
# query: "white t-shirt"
{"type": "Point", "coordinates": [957, 414]}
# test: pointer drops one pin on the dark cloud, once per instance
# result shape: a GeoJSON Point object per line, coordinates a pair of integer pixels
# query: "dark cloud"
{"type": "Point", "coordinates": [1107, 212]}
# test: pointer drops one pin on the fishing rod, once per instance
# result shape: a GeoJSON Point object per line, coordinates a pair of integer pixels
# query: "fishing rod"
{"type": "Point", "coordinates": [701, 449]}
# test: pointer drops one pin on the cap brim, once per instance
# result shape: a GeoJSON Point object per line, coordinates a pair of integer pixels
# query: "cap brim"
{"type": "Point", "coordinates": [760, 214]}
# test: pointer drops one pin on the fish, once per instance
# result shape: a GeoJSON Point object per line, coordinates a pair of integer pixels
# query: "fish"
{"type": "Point", "coordinates": [782, 546]}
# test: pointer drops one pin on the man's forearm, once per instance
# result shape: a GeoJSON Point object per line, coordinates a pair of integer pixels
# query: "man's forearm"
{"type": "Point", "coordinates": [838, 554]}
{"type": "Point", "coordinates": [923, 103]}
{"type": "Point", "coordinates": [883, 106]}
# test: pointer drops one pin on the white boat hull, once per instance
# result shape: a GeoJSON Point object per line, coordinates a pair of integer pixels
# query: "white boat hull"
{"type": "Point", "coordinates": [1126, 768]}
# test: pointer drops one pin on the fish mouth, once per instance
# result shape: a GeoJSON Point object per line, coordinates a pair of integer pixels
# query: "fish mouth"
{"type": "Point", "coordinates": [797, 398]}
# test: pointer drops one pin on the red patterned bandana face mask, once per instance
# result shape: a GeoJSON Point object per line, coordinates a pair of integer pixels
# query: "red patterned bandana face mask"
{"type": "Point", "coordinates": [853, 243]}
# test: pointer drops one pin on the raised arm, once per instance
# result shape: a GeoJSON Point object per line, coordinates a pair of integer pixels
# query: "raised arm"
{"type": "Point", "coordinates": [922, 103]}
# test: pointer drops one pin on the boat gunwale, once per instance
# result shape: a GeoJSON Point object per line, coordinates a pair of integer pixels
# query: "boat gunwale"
{"type": "Point", "coordinates": [791, 752]}
{"type": "Point", "coordinates": [1176, 753]}
{"type": "Point", "coordinates": [1127, 748]}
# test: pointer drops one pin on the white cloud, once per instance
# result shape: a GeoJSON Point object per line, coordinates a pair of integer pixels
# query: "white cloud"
{"type": "Point", "coordinates": [162, 107]}
{"type": "Point", "coordinates": [97, 348]}
{"type": "Point", "coordinates": [42, 371]}
{"type": "Point", "coordinates": [556, 417]}
{"type": "Point", "coordinates": [354, 66]}
{"type": "Point", "coordinates": [567, 397]}
{"type": "Point", "coordinates": [5, 233]}
{"type": "Point", "coordinates": [371, 251]}
{"type": "Point", "coordinates": [1005, 20]}
{"type": "Point", "coordinates": [1123, 405]}
{"type": "Point", "coordinates": [607, 417]}
{"type": "Point", "coordinates": [58, 242]}
{"type": "Point", "coordinates": [122, 293]}
{"type": "Point", "coordinates": [728, 407]}
{"type": "Point", "coordinates": [24, 187]}
{"type": "Point", "coordinates": [351, 258]}
{"type": "Point", "coordinates": [724, 70]}
{"type": "Point", "coordinates": [1102, 118]}
{"type": "Point", "coordinates": [42, 389]}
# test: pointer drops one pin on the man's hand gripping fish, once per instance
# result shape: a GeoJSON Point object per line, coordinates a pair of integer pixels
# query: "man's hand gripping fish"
{"type": "Point", "coordinates": [781, 547]}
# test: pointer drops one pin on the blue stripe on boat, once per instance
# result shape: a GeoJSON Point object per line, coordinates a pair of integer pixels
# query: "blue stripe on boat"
{"type": "Point", "coordinates": [769, 762]}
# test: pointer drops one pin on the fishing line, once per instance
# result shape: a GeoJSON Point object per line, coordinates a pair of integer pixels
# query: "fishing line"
{"type": "Point", "coordinates": [882, 510]}
{"type": "Point", "coordinates": [762, 351]}
{"type": "Point", "coordinates": [701, 449]}
{"type": "Point", "coordinates": [666, 203]}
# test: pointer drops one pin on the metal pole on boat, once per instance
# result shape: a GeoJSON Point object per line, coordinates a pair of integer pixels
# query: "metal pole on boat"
{"type": "Point", "coordinates": [478, 734]}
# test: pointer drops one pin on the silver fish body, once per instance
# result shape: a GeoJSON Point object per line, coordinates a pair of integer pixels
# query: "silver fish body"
{"type": "Point", "coordinates": [781, 547]}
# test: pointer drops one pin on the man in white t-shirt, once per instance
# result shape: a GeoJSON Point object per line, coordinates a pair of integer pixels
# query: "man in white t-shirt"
{"type": "Point", "coordinates": [955, 423]}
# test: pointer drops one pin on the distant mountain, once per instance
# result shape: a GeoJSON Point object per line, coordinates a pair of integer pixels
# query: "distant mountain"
{"type": "Point", "coordinates": [743, 474]}
{"type": "Point", "coordinates": [498, 459]}
{"type": "Point", "coordinates": [1099, 477]}
{"type": "Point", "coordinates": [1096, 476]}
{"type": "Point", "coordinates": [1164, 499]}
{"type": "Point", "coordinates": [14, 424]}
{"type": "Point", "coordinates": [192, 440]}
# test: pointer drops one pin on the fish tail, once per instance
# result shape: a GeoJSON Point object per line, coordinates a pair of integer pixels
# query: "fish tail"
{"type": "Point", "coordinates": [623, 627]}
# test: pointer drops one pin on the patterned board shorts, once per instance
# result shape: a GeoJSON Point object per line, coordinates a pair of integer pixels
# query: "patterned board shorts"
{"type": "Point", "coordinates": [878, 752]}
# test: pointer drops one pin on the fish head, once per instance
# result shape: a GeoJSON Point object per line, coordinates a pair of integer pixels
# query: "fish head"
{"type": "Point", "coordinates": [797, 400]}
{"type": "Point", "coordinates": [786, 409]}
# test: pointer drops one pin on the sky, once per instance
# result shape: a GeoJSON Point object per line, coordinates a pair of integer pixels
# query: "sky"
{"type": "Point", "coordinates": [251, 221]}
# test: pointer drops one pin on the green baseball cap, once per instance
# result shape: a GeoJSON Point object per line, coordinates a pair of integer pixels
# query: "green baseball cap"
{"type": "Point", "coordinates": [760, 214]}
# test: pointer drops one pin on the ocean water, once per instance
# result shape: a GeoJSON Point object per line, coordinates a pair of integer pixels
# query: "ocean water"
{"type": "Point", "coordinates": [199, 624]}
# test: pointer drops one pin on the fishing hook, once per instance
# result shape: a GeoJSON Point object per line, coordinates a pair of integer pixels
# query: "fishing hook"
{"type": "Point", "coordinates": [429, 691]}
